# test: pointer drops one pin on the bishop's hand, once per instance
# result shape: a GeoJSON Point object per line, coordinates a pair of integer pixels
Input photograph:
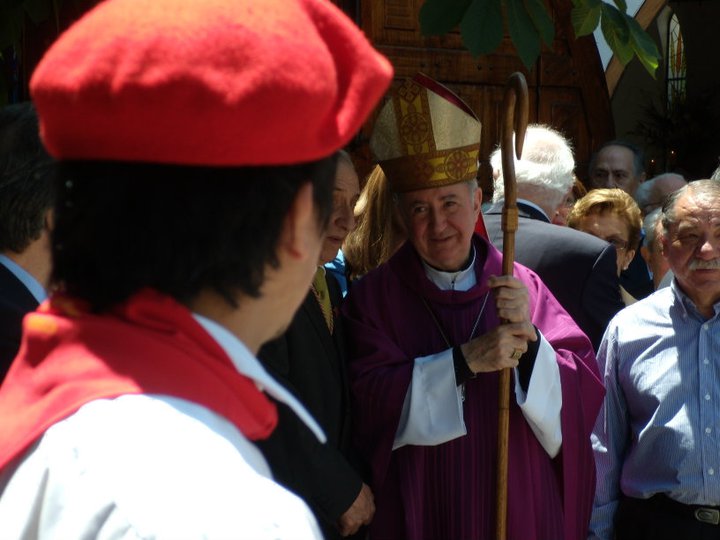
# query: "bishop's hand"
{"type": "Point", "coordinates": [502, 347]}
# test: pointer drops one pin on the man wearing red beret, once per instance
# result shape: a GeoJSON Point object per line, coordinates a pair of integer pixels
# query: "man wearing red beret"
{"type": "Point", "coordinates": [196, 145]}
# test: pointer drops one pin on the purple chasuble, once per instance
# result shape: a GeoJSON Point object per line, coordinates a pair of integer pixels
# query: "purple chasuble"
{"type": "Point", "coordinates": [447, 491]}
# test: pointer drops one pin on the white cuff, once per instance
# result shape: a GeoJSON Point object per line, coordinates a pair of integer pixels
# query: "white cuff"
{"type": "Point", "coordinates": [543, 401]}
{"type": "Point", "coordinates": [432, 412]}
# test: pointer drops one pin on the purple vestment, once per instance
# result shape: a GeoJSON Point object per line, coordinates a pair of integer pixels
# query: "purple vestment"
{"type": "Point", "coordinates": [448, 491]}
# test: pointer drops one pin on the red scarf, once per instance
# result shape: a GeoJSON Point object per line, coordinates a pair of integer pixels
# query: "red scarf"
{"type": "Point", "coordinates": [149, 345]}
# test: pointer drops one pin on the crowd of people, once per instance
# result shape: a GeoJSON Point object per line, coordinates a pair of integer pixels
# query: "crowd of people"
{"type": "Point", "coordinates": [212, 327]}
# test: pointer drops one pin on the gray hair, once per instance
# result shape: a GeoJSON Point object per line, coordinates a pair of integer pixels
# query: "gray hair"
{"type": "Point", "coordinates": [650, 192]}
{"type": "Point", "coordinates": [545, 169]}
{"type": "Point", "coordinates": [643, 194]}
{"type": "Point", "coordinates": [650, 226]}
{"type": "Point", "coordinates": [702, 189]}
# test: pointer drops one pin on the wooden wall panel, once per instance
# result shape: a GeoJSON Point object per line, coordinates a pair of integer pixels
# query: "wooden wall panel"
{"type": "Point", "coordinates": [567, 85]}
{"type": "Point", "coordinates": [563, 108]}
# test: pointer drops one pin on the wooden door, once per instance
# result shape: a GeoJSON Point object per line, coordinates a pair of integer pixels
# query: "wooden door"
{"type": "Point", "coordinates": [567, 85]}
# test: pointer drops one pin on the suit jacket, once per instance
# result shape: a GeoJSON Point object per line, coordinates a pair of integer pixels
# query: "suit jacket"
{"type": "Point", "coordinates": [636, 279]}
{"type": "Point", "coordinates": [15, 301]}
{"type": "Point", "coordinates": [578, 268]}
{"type": "Point", "coordinates": [311, 362]}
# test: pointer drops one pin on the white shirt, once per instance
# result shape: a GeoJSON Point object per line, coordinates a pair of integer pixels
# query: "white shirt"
{"type": "Point", "coordinates": [150, 466]}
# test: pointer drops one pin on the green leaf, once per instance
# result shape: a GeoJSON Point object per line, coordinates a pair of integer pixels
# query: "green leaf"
{"type": "Point", "coordinates": [438, 17]}
{"type": "Point", "coordinates": [482, 27]}
{"type": "Point", "coordinates": [585, 17]}
{"type": "Point", "coordinates": [541, 20]}
{"type": "Point", "coordinates": [617, 33]}
{"type": "Point", "coordinates": [621, 5]}
{"type": "Point", "coordinates": [523, 33]}
{"type": "Point", "coordinates": [644, 46]}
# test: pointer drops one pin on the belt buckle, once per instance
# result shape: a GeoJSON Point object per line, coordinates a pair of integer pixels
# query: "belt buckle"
{"type": "Point", "coordinates": [708, 515]}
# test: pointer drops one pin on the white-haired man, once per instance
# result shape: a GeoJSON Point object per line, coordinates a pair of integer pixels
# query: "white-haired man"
{"type": "Point", "coordinates": [578, 268]}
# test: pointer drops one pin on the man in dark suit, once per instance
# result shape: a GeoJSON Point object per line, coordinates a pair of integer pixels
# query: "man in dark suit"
{"type": "Point", "coordinates": [309, 359]}
{"type": "Point", "coordinates": [621, 164]}
{"type": "Point", "coordinates": [579, 269]}
{"type": "Point", "coordinates": [25, 215]}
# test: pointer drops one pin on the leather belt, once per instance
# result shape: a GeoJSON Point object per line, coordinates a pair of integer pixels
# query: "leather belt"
{"type": "Point", "coordinates": [704, 514]}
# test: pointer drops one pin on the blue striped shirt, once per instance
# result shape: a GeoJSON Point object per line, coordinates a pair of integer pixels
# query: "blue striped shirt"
{"type": "Point", "coordinates": [659, 428]}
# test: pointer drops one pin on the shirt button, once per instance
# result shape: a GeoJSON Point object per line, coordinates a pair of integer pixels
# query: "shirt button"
{"type": "Point", "coordinates": [705, 326]}
{"type": "Point", "coordinates": [711, 471]}
{"type": "Point", "coordinates": [707, 397]}
{"type": "Point", "coordinates": [706, 361]}
{"type": "Point", "coordinates": [708, 430]}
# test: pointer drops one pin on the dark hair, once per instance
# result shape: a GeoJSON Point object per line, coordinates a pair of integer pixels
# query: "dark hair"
{"type": "Point", "coordinates": [122, 227]}
{"type": "Point", "coordinates": [638, 156]}
{"type": "Point", "coordinates": [26, 187]}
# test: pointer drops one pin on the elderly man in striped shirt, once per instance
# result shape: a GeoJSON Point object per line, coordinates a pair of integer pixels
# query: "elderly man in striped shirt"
{"type": "Point", "coordinates": [657, 439]}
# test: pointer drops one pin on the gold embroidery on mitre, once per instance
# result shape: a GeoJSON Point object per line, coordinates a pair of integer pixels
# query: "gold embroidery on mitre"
{"type": "Point", "coordinates": [422, 138]}
{"type": "Point", "coordinates": [436, 169]}
{"type": "Point", "coordinates": [412, 116]}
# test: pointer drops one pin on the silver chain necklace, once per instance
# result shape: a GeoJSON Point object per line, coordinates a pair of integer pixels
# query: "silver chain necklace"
{"type": "Point", "coordinates": [440, 328]}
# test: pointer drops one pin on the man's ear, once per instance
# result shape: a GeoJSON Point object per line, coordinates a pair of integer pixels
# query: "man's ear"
{"type": "Point", "coordinates": [49, 219]}
{"type": "Point", "coordinates": [663, 243]}
{"type": "Point", "coordinates": [645, 254]}
{"type": "Point", "coordinates": [477, 201]}
{"type": "Point", "coordinates": [300, 231]}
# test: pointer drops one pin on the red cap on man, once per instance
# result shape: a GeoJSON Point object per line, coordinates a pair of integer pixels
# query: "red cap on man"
{"type": "Point", "coordinates": [110, 89]}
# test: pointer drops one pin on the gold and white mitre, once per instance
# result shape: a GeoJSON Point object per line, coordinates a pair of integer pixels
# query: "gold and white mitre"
{"type": "Point", "coordinates": [426, 136]}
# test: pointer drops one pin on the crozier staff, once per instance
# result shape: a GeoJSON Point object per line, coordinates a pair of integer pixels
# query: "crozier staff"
{"type": "Point", "coordinates": [426, 347]}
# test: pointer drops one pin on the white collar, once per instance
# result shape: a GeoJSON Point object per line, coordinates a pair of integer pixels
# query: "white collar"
{"type": "Point", "coordinates": [248, 365]}
{"type": "Point", "coordinates": [462, 280]}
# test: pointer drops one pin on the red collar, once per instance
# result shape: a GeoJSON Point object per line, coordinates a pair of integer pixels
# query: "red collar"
{"type": "Point", "coordinates": [150, 344]}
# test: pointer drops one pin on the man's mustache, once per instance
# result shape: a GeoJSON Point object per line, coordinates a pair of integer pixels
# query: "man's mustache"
{"type": "Point", "coordinates": [697, 264]}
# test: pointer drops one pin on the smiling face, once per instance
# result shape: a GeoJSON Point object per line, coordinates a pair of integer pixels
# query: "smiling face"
{"type": "Point", "coordinates": [692, 247]}
{"type": "Point", "coordinates": [440, 223]}
{"type": "Point", "coordinates": [613, 229]}
{"type": "Point", "coordinates": [342, 220]}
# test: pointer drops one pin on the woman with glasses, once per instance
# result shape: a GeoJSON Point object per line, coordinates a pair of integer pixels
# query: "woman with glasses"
{"type": "Point", "coordinates": [612, 215]}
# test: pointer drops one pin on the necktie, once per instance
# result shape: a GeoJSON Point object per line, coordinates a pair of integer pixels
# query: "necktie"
{"type": "Point", "coordinates": [320, 288]}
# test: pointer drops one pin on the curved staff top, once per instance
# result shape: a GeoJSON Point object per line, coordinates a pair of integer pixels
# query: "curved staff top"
{"type": "Point", "coordinates": [515, 114]}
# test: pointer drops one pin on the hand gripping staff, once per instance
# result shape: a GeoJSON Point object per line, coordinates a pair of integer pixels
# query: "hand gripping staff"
{"type": "Point", "coordinates": [515, 111]}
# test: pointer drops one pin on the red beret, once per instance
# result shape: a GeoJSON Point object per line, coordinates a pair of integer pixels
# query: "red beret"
{"type": "Point", "coordinates": [207, 82]}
